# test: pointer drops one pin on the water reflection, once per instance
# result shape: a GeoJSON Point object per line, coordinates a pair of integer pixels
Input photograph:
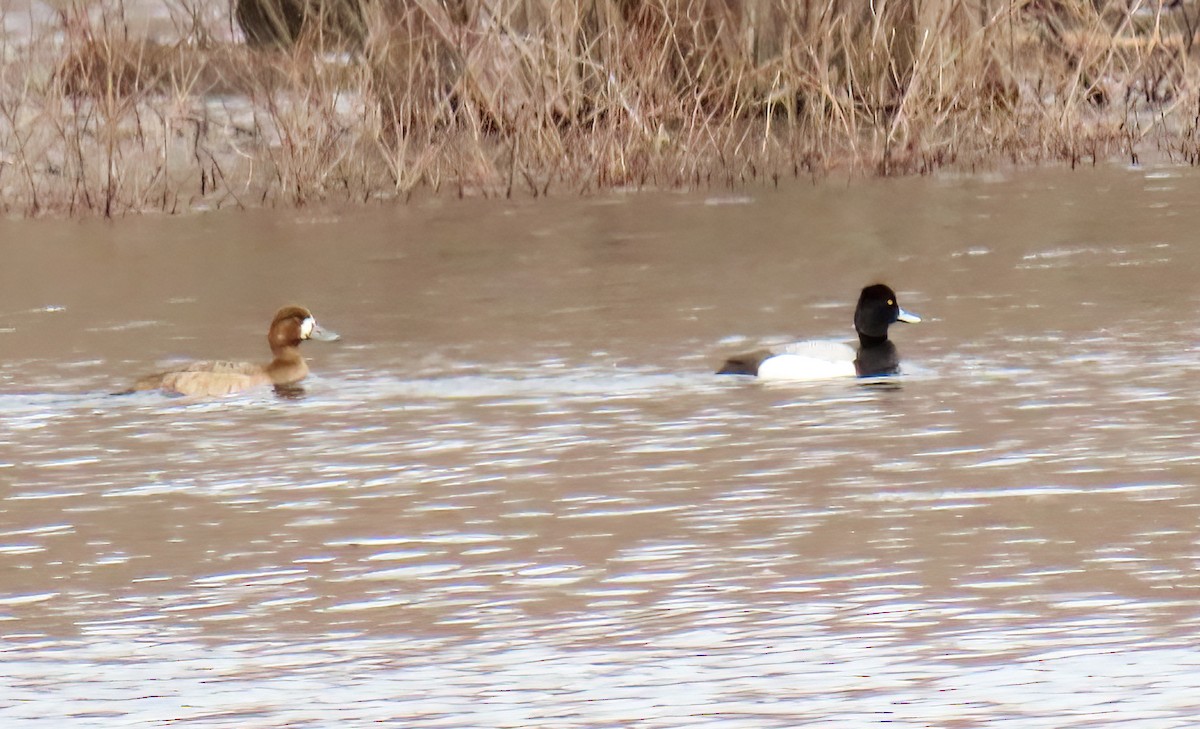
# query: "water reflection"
{"type": "Point", "coordinates": [515, 495]}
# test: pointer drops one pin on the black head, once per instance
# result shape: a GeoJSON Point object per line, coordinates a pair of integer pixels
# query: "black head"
{"type": "Point", "coordinates": [877, 310]}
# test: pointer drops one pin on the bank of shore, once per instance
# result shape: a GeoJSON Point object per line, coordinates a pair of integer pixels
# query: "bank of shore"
{"type": "Point", "coordinates": [104, 111]}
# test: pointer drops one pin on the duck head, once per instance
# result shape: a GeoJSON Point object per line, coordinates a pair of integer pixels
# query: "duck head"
{"type": "Point", "coordinates": [877, 310]}
{"type": "Point", "coordinates": [294, 324]}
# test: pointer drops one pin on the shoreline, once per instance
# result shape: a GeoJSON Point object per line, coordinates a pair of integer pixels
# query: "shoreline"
{"type": "Point", "coordinates": [97, 120]}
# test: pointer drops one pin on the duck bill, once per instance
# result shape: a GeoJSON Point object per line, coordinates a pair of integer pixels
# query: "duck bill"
{"type": "Point", "coordinates": [321, 334]}
{"type": "Point", "coordinates": [908, 317]}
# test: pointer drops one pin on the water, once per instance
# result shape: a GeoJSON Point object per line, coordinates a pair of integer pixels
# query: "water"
{"type": "Point", "coordinates": [513, 495]}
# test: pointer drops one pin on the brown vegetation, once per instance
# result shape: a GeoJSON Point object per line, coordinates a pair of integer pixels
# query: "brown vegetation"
{"type": "Point", "coordinates": [365, 99]}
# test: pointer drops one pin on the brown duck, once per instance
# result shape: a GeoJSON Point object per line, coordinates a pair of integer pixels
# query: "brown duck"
{"type": "Point", "coordinates": [291, 326]}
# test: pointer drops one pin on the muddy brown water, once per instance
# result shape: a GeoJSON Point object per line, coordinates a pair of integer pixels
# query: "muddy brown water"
{"type": "Point", "coordinates": [514, 495]}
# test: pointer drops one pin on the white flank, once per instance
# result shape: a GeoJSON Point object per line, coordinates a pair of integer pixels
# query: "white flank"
{"type": "Point", "coordinates": [811, 360]}
{"type": "Point", "coordinates": [797, 368]}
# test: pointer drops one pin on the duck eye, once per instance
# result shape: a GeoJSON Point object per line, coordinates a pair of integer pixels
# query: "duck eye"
{"type": "Point", "coordinates": [891, 302]}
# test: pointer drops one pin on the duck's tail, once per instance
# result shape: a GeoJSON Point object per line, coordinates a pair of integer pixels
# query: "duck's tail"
{"type": "Point", "coordinates": [744, 364]}
{"type": "Point", "coordinates": [149, 382]}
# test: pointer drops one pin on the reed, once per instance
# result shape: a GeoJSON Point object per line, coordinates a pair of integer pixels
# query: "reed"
{"type": "Point", "coordinates": [289, 102]}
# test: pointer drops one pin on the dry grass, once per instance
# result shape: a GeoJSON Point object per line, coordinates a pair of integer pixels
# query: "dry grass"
{"type": "Point", "coordinates": [359, 100]}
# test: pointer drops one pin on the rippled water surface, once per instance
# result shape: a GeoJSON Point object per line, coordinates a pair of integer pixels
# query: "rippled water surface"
{"type": "Point", "coordinates": [514, 495]}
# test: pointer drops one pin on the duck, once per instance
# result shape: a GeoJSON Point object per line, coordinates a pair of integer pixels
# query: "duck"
{"type": "Point", "coordinates": [875, 356]}
{"type": "Point", "coordinates": [291, 326]}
